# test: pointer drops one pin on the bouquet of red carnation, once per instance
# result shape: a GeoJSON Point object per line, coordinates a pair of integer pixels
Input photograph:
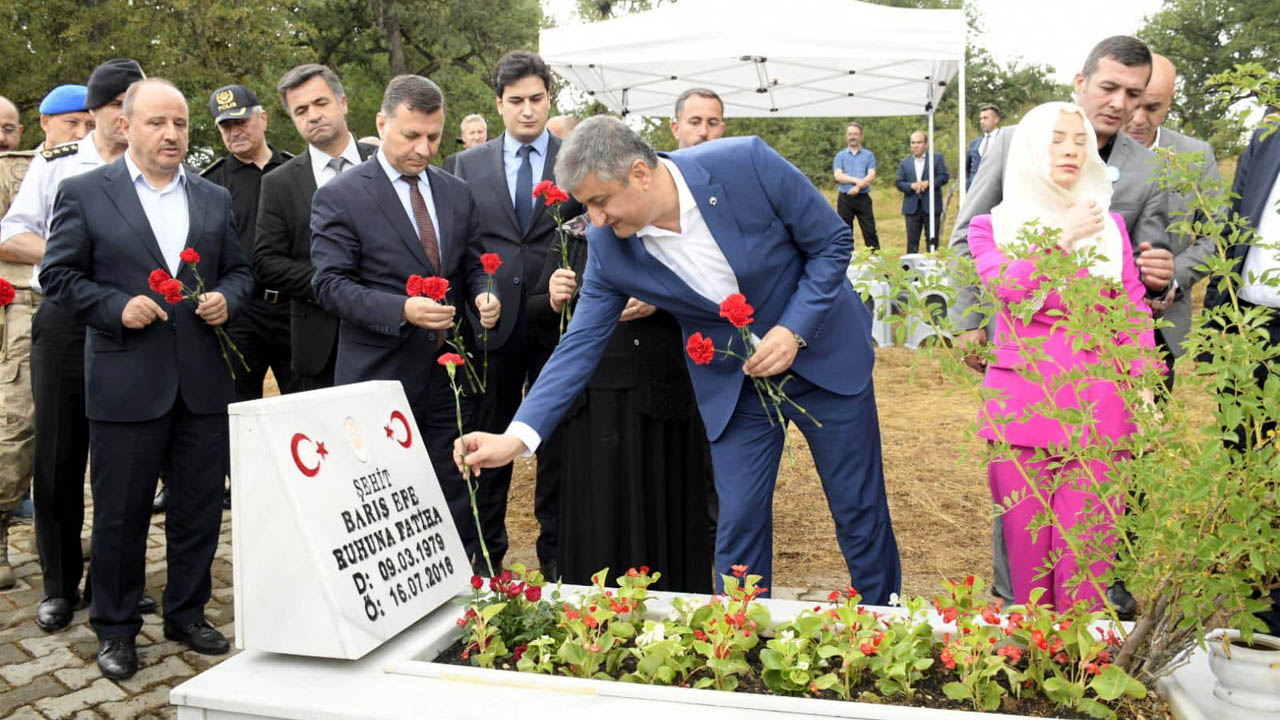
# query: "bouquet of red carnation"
{"type": "Point", "coordinates": [437, 288]}
{"type": "Point", "coordinates": [451, 361]}
{"type": "Point", "coordinates": [175, 291]}
{"type": "Point", "coordinates": [554, 196]}
{"type": "Point", "coordinates": [7, 294]}
{"type": "Point", "coordinates": [702, 351]}
{"type": "Point", "coordinates": [491, 263]}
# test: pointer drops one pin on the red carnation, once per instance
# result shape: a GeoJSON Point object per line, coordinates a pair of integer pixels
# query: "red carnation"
{"type": "Point", "coordinates": [542, 187]}
{"type": "Point", "coordinates": [702, 350]}
{"type": "Point", "coordinates": [156, 277]}
{"type": "Point", "coordinates": [555, 196]}
{"type": "Point", "coordinates": [189, 255]}
{"type": "Point", "coordinates": [533, 593]}
{"type": "Point", "coordinates": [435, 287]}
{"type": "Point", "coordinates": [737, 310]}
{"type": "Point", "coordinates": [491, 262]}
{"type": "Point", "coordinates": [7, 293]}
{"type": "Point", "coordinates": [172, 291]}
{"type": "Point", "coordinates": [477, 582]}
{"type": "Point", "coordinates": [413, 286]}
{"type": "Point", "coordinates": [453, 359]}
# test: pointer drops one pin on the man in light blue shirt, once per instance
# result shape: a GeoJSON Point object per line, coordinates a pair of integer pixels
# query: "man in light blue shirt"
{"type": "Point", "coordinates": [855, 169]}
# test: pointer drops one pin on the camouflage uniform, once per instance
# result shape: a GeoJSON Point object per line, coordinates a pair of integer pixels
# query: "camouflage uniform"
{"type": "Point", "coordinates": [17, 407]}
{"type": "Point", "coordinates": [17, 436]}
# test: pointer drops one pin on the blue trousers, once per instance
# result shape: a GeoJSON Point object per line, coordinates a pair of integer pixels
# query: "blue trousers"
{"type": "Point", "coordinates": [846, 452]}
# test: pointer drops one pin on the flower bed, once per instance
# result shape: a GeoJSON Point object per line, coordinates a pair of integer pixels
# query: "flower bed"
{"type": "Point", "coordinates": [960, 654]}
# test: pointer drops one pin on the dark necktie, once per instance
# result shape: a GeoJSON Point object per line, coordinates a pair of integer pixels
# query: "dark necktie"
{"type": "Point", "coordinates": [426, 232]}
{"type": "Point", "coordinates": [524, 188]}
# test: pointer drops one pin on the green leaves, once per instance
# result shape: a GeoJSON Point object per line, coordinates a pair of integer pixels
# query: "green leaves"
{"type": "Point", "coordinates": [1114, 682]}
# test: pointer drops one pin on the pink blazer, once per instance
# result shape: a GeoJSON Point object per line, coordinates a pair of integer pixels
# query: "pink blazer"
{"type": "Point", "coordinates": [1012, 281]}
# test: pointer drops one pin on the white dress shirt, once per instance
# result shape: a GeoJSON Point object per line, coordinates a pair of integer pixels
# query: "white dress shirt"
{"type": "Point", "coordinates": [1264, 259]}
{"type": "Point", "coordinates": [320, 161]}
{"type": "Point", "coordinates": [692, 254]}
{"type": "Point", "coordinates": [511, 160]}
{"type": "Point", "coordinates": [402, 192]}
{"type": "Point", "coordinates": [166, 211]}
{"type": "Point", "coordinates": [32, 207]}
{"type": "Point", "coordinates": [919, 161]}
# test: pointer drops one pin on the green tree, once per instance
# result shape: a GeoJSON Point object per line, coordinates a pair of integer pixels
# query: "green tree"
{"type": "Point", "coordinates": [1206, 37]}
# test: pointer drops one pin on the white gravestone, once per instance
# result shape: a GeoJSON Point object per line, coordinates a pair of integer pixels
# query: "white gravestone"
{"type": "Point", "coordinates": [341, 536]}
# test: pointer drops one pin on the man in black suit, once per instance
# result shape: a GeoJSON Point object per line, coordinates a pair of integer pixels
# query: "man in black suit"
{"type": "Point", "coordinates": [314, 98]}
{"type": "Point", "coordinates": [501, 174]}
{"type": "Point", "coordinates": [391, 217]}
{"type": "Point", "coordinates": [156, 384]}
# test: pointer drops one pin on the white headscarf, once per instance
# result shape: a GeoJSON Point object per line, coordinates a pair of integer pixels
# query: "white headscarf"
{"type": "Point", "coordinates": [1030, 193]}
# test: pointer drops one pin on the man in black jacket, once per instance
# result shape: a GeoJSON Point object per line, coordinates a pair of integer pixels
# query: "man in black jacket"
{"type": "Point", "coordinates": [313, 97]}
{"type": "Point", "coordinates": [156, 384]}
{"type": "Point", "coordinates": [502, 174]}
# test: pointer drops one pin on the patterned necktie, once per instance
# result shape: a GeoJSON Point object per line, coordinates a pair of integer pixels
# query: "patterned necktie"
{"type": "Point", "coordinates": [524, 188]}
{"type": "Point", "coordinates": [426, 232]}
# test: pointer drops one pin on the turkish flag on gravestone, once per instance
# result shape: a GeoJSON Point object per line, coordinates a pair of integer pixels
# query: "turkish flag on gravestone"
{"type": "Point", "coordinates": [341, 537]}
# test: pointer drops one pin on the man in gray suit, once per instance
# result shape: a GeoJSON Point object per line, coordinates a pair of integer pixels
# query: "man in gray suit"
{"type": "Point", "coordinates": [1189, 252]}
{"type": "Point", "coordinates": [1108, 87]}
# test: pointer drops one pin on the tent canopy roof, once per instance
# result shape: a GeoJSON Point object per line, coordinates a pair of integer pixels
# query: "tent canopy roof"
{"type": "Point", "coordinates": [803, 58]}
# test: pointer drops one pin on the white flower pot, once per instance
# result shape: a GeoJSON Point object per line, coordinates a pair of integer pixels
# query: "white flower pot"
{"type": "Point", "coordinates": [1244, 676]}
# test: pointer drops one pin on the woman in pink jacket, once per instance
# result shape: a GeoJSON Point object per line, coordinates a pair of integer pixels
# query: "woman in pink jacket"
{"type": "Point", "coordinates": [1055, 177]}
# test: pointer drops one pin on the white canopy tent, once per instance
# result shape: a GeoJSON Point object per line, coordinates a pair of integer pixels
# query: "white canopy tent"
{"type": "Point", "coordinates": [797, 58]}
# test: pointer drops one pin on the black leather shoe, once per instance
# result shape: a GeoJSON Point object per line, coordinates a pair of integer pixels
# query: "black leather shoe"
{"type": "Point", "coordinates": [1119, 597]}
{"type": "Point", "coordinates": [199, 636]}
{"type": "Point", "coordinates": [160, 502]}
{"type": "Point", "coordinates": [147, 605]}
{"type": "Point", "coordinates": [550, 571]}
{"type": "Point", "coordinates": [54, 613]}
{"type": "Point", "coordinates": [117, 658]}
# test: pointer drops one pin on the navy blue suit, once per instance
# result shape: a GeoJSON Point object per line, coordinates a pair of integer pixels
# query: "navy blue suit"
{"type": "Point", "coordinates": [915, 206]}
{"type": "Point", "coordinates": [789, 251]}
{"type": "Point", "coordinates": [156, 397]}
{"type": "Point", "coordinates": [973, 159]}
{"type": "Point", "coordinates": [364, 247]}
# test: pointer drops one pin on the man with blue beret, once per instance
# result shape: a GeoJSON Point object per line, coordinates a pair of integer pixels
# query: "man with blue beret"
{"type": "Point", "coordinates": [63, 116]}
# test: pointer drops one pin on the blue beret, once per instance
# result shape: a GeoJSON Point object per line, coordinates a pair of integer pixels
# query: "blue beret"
{"type": "Point", "coordinates": [64, 99]}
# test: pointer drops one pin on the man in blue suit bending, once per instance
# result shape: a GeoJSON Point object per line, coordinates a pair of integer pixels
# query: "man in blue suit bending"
{"type": "Point", "coordinates": [683, 231]}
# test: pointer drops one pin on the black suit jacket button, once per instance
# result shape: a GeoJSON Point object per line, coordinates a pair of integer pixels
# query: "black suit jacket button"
{"type": "Point", "coordinates": [431, 336]}
{"type": "Point", "coordinates": [515, 280]}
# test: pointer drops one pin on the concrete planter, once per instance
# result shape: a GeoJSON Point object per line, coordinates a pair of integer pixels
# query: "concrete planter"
{"type": "Point", "coordinates": [1246, 677]}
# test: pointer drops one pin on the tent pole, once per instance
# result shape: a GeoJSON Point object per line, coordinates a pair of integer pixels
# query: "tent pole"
{"type": "Point", "coordinates": [929, 162]}
{"type": "Point", "coordinates": [962, 150]}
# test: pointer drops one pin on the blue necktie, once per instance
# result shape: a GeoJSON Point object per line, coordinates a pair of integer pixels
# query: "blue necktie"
{"type": "Point", "coordinates": [524, 188]}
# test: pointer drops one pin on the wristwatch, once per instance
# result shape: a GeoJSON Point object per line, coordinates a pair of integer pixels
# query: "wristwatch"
{"type": "Point", "coordinates": [800, 343]}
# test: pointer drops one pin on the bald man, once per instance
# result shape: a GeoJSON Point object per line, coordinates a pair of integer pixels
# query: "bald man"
{"type": "Point", "coordinates": [562, 125]}
{"type": "Point", "coordinates": [10, 126]}
{"type": "Point", "coordinates": [1146, 126]}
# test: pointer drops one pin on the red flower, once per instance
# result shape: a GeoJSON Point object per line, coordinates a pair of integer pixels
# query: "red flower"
{"type": "Point", "coordinates": [834, 596]}
{"type": "Point", "coordinates": [455, 360]}
{"type": "Point", "coordinates": [868, 649]}
{"type": "Point", "coordinates": [189, 255]}
{"type": "Point", "coordinates": [1037, 639]}
{"type": "Point", "coordinates": [737, 310]}
{"type": "Point", "coordinates": [949, 614]}
{"type": "Point", "coordinates": [7, 293]}
{"type": "Point", "coordinates": [533, 593]}
{"type": "Point", "coordinates": [435, 287]}
{"type": "Point", "coordinates": [542, 187]}
{"type": "Point", "coordinates": [591, 621]}
{"type": "Point", "coordinates": [701, 349]}
{"type": "Point", "coordinates": [644, 569]}
{"type": "Point", "coordinates": [739, 570]}
{"type": "Point", "coordinates": [518, 652]}
{"type": "Point", "coordinates": [156, 277]}
{"type": "Point", "coordinates": [555, 196]}
{"type": "Point", "coordinates": [1104, 656]}
{"type": "Point", "coordinates": [968, 581]}
{"type": "Point", "coordinates": [1061, 658]}
{"type": "Point", "coordinates": [172, 291]}
{"type": "Point", "coordinates": [989, 616]}
{"type": "Point", "coordinates": [570, 614]}
{"type": "Point", "coordinates": [947, 659]}
{"type": "Point", "coordinates": [491, 262]}
{"type": "Point", "coordinates": [413, 286]}
{"type": "Point", "coordinates": [477, 582]}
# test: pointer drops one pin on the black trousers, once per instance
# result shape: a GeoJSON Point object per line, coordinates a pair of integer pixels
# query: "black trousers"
{"type": "Point", "coordinates": [437, 421]}
{"type": "Point", "coordinates": [513, 365]}
{"type": "Point", "coordinates": [261, 333]}
{"type": "Point", "coordinates": [61, 447]}
{"type": "Point", "coordinates": [918, 223]}
{"type": "Point", "coordinates": [859, 206]}
{"type": "Point", "coordinates": [126, 458]}
{"type": "Point", "coordinates": [322, 379]}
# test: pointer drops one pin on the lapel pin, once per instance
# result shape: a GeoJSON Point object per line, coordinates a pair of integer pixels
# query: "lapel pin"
{"type": "Point", "coordinates": [1113, 173]}
{"type": "Point", "coordinates": [712, 201]}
